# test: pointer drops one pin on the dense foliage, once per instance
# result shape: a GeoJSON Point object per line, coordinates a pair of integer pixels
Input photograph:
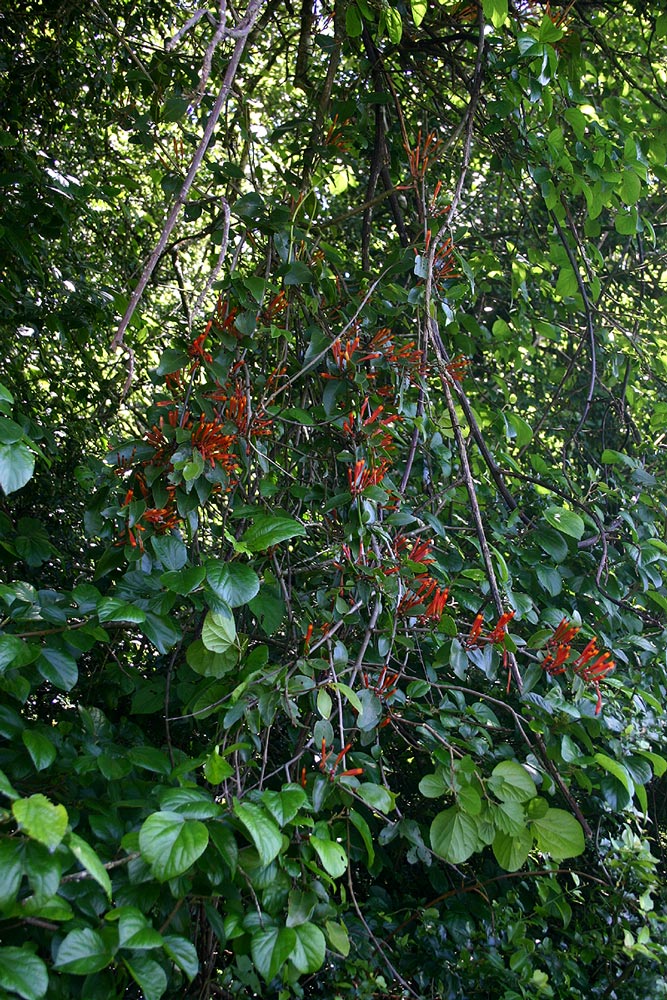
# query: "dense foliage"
{"type": "Point", "coordinates": [333, 527]}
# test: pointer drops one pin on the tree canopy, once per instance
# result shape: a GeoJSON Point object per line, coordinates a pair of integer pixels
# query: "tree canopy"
{"type": "Point", "coordinates": [333, 520]}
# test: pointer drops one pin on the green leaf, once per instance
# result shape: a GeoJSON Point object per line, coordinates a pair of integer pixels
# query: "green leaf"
{"type": "Point", "coordinates": [331, 854]}
{"type": "Point", "coordinates": [511, 782]}
{"type": "Point", "coordinates": [170, 550]}
{"type": "Point", "coordinates": [172, 361]}
{"type": "Point", "coordinates": [618, 770]}
{"type": "Point", "coordinates": [40, 748]}
{"type": "Point", "coordinates": [495, 11]}
{"type": "Point", "coordinates": [23, 973]}
{"type": "Point", "coordinates": [41, 820]}
{"type": "Point", "coordinates": [219, 631]}
{"type": "Point", "coordinates": [89, 860]}
{"type": "Point", "coordinates": [171, 843]}
{"type": "Point", "coordinates": [268, 530]}
{"type": "Point", "coordinates": [559, 834]}
{"type": "Point", "coordinates": [371, 710]}
{"type": "Point", "coordinates": [661, 26]}
{"type": "Point", "coordinates": [134, 930]}
{"type": "Point", "coordinates": [263, 831]}
{"type": "Point", "coordinates": [148, 974]}
{"type": "Point", "coordinates": [113, 609]}
{"type": "Point", "coordinates": [11, 870]}
{"type": "Point", "coordinates": [432, 786]}
{"type": "Point", "coordinates": [183, 953]}
{"type": "Point", "coordinates": [565, 521]}
{"type": "Point", "coordinates": [631, 187]}
{"type": "Point", "coordinates": [511, 850]}
{"type": "Point", "coordinates": [376, 796]}
{"type": "Point", "coordinates": [309, 949]}
{"type": "Point", "coordinates": [271, 948]}
{"type": "Point", "coordinates": [58, 667]}
{"type": "Point", "coordinates": [216, 768]}
{"type": "Point", "coordinates": [44, 870]}
{"type": "Point", "coordinates": [285, 804]}
{"type": "Point", "coordinates": [82, 952]}
{"type": "Point", "coordinates": [235, 583]}
{"type": "Point", "coordinates": [298, 274]}
{"type": "Point", "coordinates": [184, 581]}
{"type": "Point", "coordinates": [659, 763]}
{"type": "Point", "coordinates": [454, 835]}
{"type": "Point", "coordinates": [353, 22]}
{"type": "Point", "coordinates": [418, 9]}
{"type": "Point", "coordinates": [358, 821]}
{"type": "Point", "coordinates": [17, 464]}
{"type": "Point", "coordinates": [338, 937]}
{"type": "Point", "coordinates": [14, 652]}
{"type": "Point", "coordinates": [394, 23]}
{"type": "Point", "coordinates": [203, 661]}
{"type": "Point", "coordinates": [159, 630]}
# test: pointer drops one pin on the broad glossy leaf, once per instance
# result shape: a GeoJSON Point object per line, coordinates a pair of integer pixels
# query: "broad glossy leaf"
{"type": "Point", "coordinates": [511, 782]}
{"type": "Point", "coordinates": [271, 948]}
{"type": "Point", "coordinates": [309, 949]}
{"type": "Point", "coordinates": [58, 667]}
{"type": "Point", "coordinates": [209, 664]}
{"type": "Point", "coordinates": [135, 931]}
{"type": "Point", "coordinates": [331, 854]}
{"type": "Point", "coordinates": [82, 952]}
{"type": "Point", "coordinates": [219, 631]}
{"type": "Point", "coordinates": [183, 953]}
{"type": "Point", "coordinates": [161, 631]}
{"type": "Point", "coordinates": [171, 551]}
{"type": "Point", "coordinates": [17, 464]}
{"type": "Point", "coordinates": [268, 530]}
{"type": "Point", "coordinates": [265, 834]}
{"type": "Point", "coordinates": [236, 583]}
{"type": "Point", "coordinates": [41, 819]}
{"type": "Point", "coordinates": [149, 975]}
{"type": "Point", "coordinates": [338, 937]}
{"type": "Point", "coordinates": [40, 748]}
{"type": "Point", "coordinates": [114, 609]}
{"type": "Point", "coordinates": [376, 796]}
{"type": "Point", "coordinates": [511, 850]}
{"type": "Point", "coordinates": [619, 771]}
{"type": "Point", "coordinates": [565, 521]}
{"type": "Point", "coordinates": [171, 843]}
{"type": "Point", "coordinates": [23, 973]}
{"type": "Point", "coordinates": [11, 870]}
{"type": "Point", "coordinates": [454, 835]}
{"type": "Point", "coordinates": [559, 834]}
{"type": "Point", "coordinates": [89, 859]}
{"type": "Point", "coordinates": [285, 804]}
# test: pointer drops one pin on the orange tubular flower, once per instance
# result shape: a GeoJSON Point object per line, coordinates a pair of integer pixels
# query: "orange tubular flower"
{"type": "Point", "coordinates": [458, 368]}
{"type": "Point", "coordinates": [214, 446]}
{"type": "Point", "coordinates": [498, 632]}
{"type": "Point", "coordinates": [196, 348]}
{"type": "Point", "coordinates": [162, 519]}
{"type": "Point", "coordinates": [361, 477]}
{"type": "Point", "coordinates": [475, 631]}
{"type": "Point", "coordinates": [564, 634]}
{"type": "Point", "coordinates": [554, 664]}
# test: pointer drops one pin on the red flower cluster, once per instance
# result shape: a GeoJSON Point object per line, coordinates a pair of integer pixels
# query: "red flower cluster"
{"type": "Point", "coordinates": [495, 636]}
{"type": "Point", "coordinates": [332, 768]}
{"type": "Point", "coordinates": [214, 446]}
{"type": "Point", "coordinates": [361, 477]}
{"type": "Point", "coordinates": [591, 665]}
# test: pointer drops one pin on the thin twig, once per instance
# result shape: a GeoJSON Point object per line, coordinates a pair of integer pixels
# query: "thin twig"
{"type": "Point", "coordinates": [225, 89]}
